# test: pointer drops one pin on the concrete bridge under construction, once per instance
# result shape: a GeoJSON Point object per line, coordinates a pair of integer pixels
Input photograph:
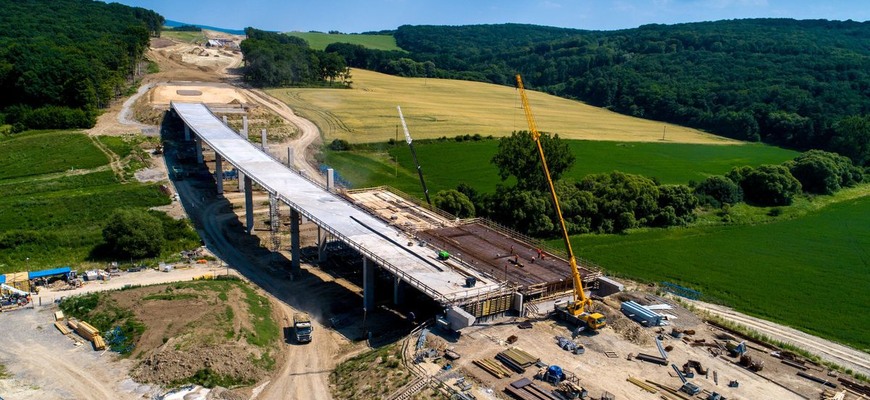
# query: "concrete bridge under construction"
{"type": "Point", "coordinates": [491, 269]}
{"type": "Point", "coordinates": [381, 245]}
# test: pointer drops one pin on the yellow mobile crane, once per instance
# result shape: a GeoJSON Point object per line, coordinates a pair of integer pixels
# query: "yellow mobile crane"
{"type": "Point", "coordinates": [576, 310]}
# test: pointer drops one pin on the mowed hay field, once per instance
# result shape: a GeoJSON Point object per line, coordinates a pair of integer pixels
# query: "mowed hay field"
{"type": "Point", "coordinates": [440, 107]}
{"type": "Point", "coordinates": [809, 272]}
{"type": "Point", "coordinates": [319, 40]}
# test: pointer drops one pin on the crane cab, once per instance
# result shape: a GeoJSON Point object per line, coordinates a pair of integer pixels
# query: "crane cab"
{"type": "Point", "coordinates": [595, 321]}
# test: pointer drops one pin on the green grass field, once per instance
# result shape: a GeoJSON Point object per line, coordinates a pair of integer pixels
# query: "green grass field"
{"type": "Point", "coordinates": [319, 41]}
{"type": "Point", "coordinates": [446, 164]}
{"type": "Point", "coordinates": [440, 107]}
{"type": "Point", "coordinates": [45, 152]}
{"type": "Point", "coordinates": [53, 214]}
{"type": "Point", "coordinates": [184, 36]}
{"type": "Point", "coordinates": [808, 272]}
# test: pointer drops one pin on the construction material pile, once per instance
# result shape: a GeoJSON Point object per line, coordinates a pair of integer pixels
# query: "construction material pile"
{"type": "Point", "coordinates": [628, 329]}
{"type": "Point", "coordinates": [516, 359]}
{"type": "Point", "coordinates": [494, 368]}
{"type": "Point", "coordinates": [88, 332]}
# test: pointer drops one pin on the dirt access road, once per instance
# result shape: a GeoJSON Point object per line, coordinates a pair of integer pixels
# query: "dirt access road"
{"type": "Point", "coordinates": [305, 372]}
{"type": "Point", "coordinates": [829, 351]}
{"type": "Point", "coordinates": [49, 366]}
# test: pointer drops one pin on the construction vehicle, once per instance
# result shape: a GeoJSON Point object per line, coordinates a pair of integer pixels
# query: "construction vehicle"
{"type": "Point", "coordinates": [574, 311]}
{"type": "Point", "coordinates": [302, 326]}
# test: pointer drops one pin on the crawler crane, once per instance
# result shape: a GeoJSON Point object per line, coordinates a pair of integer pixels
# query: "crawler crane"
{"type": "Point", "coordinates": [575, 311]}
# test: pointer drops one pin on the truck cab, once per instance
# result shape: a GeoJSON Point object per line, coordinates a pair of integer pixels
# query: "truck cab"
{"type": "Point", "coordinates": [303, 328]}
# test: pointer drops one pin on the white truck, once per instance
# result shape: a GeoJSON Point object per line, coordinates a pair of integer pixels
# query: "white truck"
{"type": "Point", "coordinates": [302, 326]}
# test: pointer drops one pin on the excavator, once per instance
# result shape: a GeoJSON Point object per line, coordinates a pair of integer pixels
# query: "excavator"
{"type": "Point", "coordinates": [574, 311]}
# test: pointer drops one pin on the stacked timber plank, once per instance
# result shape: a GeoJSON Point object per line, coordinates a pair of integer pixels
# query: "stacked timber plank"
{"type": "Point", "coordinates": [61, 328]}
{"type": "Point", "coordinates": [517, 359]}
{"type": "Point", "coordinates": [525, 389]}
{"type": "Point", "coordinates": [88, 332]}
{"type": "Point", "coordinates": [493, 368]}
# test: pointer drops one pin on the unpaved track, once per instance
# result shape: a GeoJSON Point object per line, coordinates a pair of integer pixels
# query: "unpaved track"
{"type": "Point", "coordinates": [308, 132]}
{"type": "Point", "coordinates": [43, 359]}
{"type": "Point", "coordinates": [829, 351]}
{"type": "Point", "coordinates": [306, 368]}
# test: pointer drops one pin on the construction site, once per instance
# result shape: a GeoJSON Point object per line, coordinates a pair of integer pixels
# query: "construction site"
{"type": "Point", "coordinates": [473, 310]}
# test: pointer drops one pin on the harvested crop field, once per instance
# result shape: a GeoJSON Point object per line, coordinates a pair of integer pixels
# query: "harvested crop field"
{"type": "Point", "coordinates": [444, 107]}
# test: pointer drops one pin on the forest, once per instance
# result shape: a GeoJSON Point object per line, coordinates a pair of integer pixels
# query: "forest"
{"type": "Point", "coordinates": [800, 84]}
{"type": "Point", "coordinates": [274, 59]}
{"type": "Point", "coordinates": [63, 60]}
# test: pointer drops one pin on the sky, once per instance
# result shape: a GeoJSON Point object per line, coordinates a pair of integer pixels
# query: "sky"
{"type": "Point", "coordinates": [351, 16]}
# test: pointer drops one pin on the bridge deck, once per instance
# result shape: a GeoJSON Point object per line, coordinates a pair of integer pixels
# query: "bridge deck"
{"type": "Point", "coordinates": [385, 245]}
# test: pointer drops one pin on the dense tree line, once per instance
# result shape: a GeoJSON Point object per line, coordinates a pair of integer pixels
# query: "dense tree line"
{"type": "Point", "coordinates": [602, 203]}
{"type": "Point", "coordinates": [801, 84]}
{"type": "Point", "coordinates": [274, 59]}
{"type": "Point", "coordinates": [62, 60]}
{"type": "Point", "coordinates": [616, 201]}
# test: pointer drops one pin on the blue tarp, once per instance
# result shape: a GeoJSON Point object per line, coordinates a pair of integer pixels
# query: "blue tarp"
{"type": "Point", "coordinates": [48, 272]}
{"type": "Point", "coordinates": [2, 278]}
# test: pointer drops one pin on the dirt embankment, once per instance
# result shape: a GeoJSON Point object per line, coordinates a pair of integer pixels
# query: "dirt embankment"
{"type": "Point", "coordinates": [208, 332]}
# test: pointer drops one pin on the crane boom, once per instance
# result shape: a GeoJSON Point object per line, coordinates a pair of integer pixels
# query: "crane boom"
{"type": "Point", "coordinates": [414, 154]}
{"type": "Point", "coordinates": [580, 300]}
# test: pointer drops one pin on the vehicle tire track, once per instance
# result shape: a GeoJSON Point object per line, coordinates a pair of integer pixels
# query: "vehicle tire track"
{"type": "Point", "coordinates": [829, 351]}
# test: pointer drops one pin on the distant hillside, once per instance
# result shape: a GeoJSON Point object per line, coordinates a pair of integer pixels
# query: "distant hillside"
{"type": "Point", "coordinates": [802, 84]}
{"type": "Point", "coordinates": [172, 24]}
{"type": "Point", "coordinates": [319, 40]}
{"type": "Point", "coordinates": [61, 60]}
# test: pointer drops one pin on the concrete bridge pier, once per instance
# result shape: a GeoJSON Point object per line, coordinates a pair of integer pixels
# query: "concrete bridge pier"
{"type": "Point", "coordinates": [249, 206]}
{"type": "Point", "coordinates": [330, 179]}
{"type": "Point", "coordinates": [368, 284]}
{"type": "Point", "coordinates": [263, 144]}
{"type": "Point", "coordinates": [198, 150]}
{"type": "Point", "coordinates": [322, 240]}
{"type": "Point", "coordinates": [245, 125]}
{"type": "Point", "coordinates": [219, 173]}
{"type": "Point", "coordinates": [398, 291]}
{"type": "Point", "coordinates": [295, 250]}
{"type": "Point", "coordinates": [290, 158]}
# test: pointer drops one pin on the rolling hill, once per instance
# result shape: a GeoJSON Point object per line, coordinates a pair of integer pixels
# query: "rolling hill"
{"type": "Point", "coordinates": [441, 107]}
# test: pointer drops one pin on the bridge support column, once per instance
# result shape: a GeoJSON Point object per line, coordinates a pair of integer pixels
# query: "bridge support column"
{"type": "Point", "coordinates": [198, 150]}
{"type": "Point", "coordinates": [245, 125]}
{"type": "Point", "coordinates": [398, 291]}
{"type": "Point", "coordinates": [241, 181]}
{"type": "Point", "coordinates": [295, 250]}
{"type": "Point", "coordinates": [321, 244]}
{"type": "Point", "coordinates": [263, 144]}
{"type": "Point", "coordinates": [219, 173]}
{"type": "Point", "coordinates": [330, 179]}
{"type": "Point", "coordinates": [186, 133]}
{"type": "Point", "coordinates": [368, 284]}
{"type": "Point", "coordinates": [225, 121]}
{"type": "Point", "coordinates": [290, 158]}
{"type": "Point", "coordinates": [249, 206]}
